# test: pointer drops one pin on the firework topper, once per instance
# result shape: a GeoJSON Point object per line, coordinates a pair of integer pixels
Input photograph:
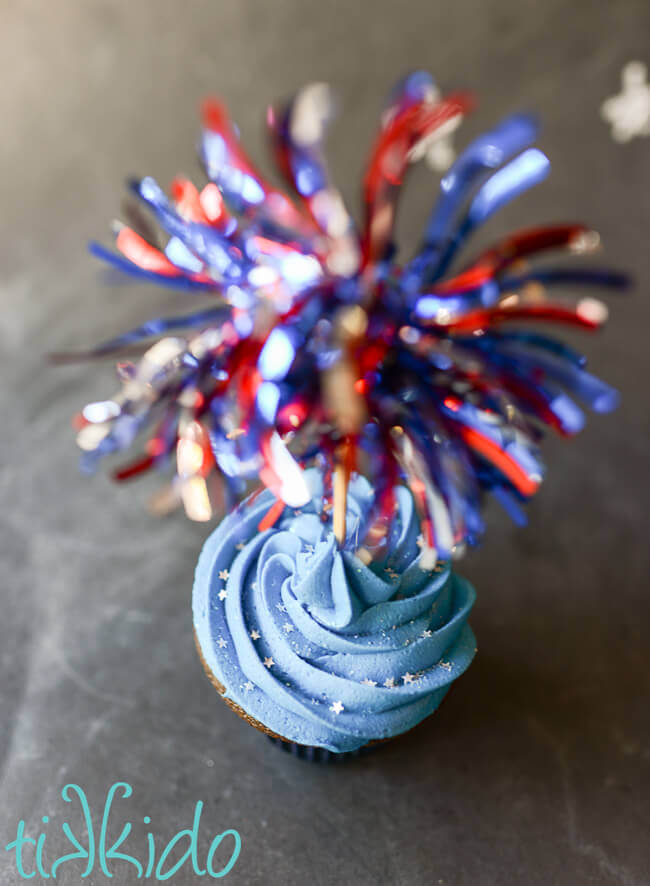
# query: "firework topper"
{"type": "Point", "coordinates": [311, 352]}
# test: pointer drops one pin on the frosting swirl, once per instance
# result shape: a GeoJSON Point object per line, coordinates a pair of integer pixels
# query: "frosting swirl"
{"type": "Point", "coordinates": [314, 644]}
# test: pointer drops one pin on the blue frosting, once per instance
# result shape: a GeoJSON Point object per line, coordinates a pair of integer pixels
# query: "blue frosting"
{"type": "Point", "coordinates": [314, 644]}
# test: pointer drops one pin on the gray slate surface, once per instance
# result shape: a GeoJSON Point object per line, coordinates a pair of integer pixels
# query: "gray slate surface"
{"type": "Point", "coordinates": [536, 770]}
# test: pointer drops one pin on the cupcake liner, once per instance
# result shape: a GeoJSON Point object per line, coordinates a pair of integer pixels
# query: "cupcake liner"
{"type": "Point", "coordinates": [316, 754]}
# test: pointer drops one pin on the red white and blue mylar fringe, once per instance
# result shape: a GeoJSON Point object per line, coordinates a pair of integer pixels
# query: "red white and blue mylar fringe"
{"type": "Point", "coordinates": [315, 346]}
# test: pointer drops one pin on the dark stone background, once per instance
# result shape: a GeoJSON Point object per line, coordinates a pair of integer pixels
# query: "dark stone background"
{"type": "Point", "coordinates": [536, 769]}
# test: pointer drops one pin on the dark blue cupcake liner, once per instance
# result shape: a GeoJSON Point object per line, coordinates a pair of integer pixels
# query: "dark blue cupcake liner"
{"type": "Point", "coordinates": [318, 755]}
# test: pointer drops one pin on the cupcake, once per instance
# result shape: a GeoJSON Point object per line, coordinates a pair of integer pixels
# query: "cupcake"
{"type": "Point", "coordinates": [378, 402]}
{"type": "Point", "coordinates": [317, 647]}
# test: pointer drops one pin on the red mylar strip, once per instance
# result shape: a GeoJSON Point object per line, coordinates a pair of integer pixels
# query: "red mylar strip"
{"type": "Point", "coordinates": [549, 312]}
{"type": "Point", "coordinates": [144, 255]}
{"type": "Point", "coordinates": [134, 468]}
{"type": "Point", "coordinates": [389, 161]}
{"type": "Point", "coordinates": [492, 452]}
{"type": "Point", "coordinates": [272, 516]}
{"type": "Point", "coordinates": [531, 241]}
{"type": "Point", "coordinates": [187, 199]}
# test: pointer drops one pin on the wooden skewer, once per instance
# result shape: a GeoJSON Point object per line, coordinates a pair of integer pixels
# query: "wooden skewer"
{"type": "Point", "coordinates": [340, 484]}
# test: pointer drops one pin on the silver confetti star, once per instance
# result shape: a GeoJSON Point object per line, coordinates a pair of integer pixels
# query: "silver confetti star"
{"type": "Point", "coordinates": [426, 633]}
{"type": "Point", "coordinates": [389, 683]}
{"type": "Point", "coordinates": [221, 643]}
{"type": "Point", "coordinates": [255, 635]}
{"type": "Point", "coordinates": [287, 627]}
{"type": "Point", "coordinates": [367, 682]}
{"type": "Point", "coordinates": [408, 678]}
{"type": "Point", "coordinates": [268, 662]}
{"type": "Point", "coordinates": [336, 708]}
{"type": "Point", "coordinates": [223, 593]}
{"type": "Point", "coordinates": [629, 112]}
{"type": "Point", "coordinates": [224, 574]}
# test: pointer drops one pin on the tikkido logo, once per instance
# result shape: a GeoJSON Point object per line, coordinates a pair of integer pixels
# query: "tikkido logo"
{"type": "Point", "coordinates": [103, 856]}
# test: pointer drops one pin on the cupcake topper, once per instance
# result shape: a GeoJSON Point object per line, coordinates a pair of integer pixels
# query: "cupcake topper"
{"type": "Point", "coordinates": [313, 344]}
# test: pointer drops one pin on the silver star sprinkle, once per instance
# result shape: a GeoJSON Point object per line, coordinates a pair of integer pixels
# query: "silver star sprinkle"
{"type": "Point", "coordinates": [389, 683]}
{"type": "Point", "coordinates": [224, 574]}
{"type": "Point", "coordinates": [408, 678]}
{"type": "Point", "coordinates": [426, 633]}
{"type": "Point", "coordinates": [268, 662]}
{"type": "Point", "coordinates": [221, 643]}
{"type": "Point", "coordinates": [255, 635]}
{"type": "Point", "coordinates": [337, 707]}
{"type": "Point", "coordinates": [223, 593]}
{"type": "Point", "coordinates": [287, 627]}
